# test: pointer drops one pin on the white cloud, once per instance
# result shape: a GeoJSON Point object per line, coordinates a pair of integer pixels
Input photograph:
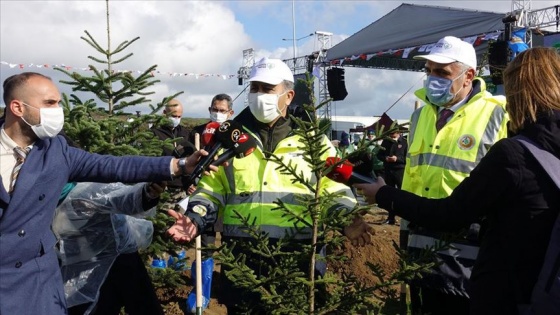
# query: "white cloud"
{"type": "Point", "coordinates": [208, 37]}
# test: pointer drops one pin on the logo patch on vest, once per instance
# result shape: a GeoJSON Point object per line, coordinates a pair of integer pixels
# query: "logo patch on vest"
{"type": "Point", "coordinates": [466, 142]}
{"type": "Point", "coordinates": [200, 210]}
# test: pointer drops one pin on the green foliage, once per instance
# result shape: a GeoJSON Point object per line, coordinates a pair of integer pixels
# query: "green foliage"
{"type": "Point", "coordinates": [109, 129]}
{"type": "Point", "coordinates": [286, 282]}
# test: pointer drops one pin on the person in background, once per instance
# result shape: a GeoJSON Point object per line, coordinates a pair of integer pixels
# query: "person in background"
{"type": "Point", "coordinates": [447, 138]}
{"type": "Point", "coordinates": [374, 148]}
{"type": "Point", "coordinates": [344, 144]}
{"type": "Point", "coordinates": [355, 142]}
{"type": "Point", "coordinates": [393, 154]}
{"type": "Point", "coordinates": [509, 188]}
{"type": "Point", "coordinates": [35, 164]}
{"type": "Point", "coordinates": [100, 228]}
{"type": "Point", "coordinates": [221, 109]}
{"type": "Point", "coordinates": [182, 147]}
{"type": "Point", "coordinates": [271, 92]}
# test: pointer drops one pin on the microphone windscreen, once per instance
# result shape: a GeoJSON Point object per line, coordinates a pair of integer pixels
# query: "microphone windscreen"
{"type": "Point", "coordinates": [208, 134]}
{"type": "Point", "coordinates": [228, 133]}
{"type": "Point", "coordinates": [245, 145]}
{"type": "Point", "coordinates": [340, 173]}
{"type": "Point", "coordinates": [331, 160]}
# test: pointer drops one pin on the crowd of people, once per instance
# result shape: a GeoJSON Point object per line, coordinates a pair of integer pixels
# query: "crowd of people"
{"type": "Point", "coordinates": [455, 179]}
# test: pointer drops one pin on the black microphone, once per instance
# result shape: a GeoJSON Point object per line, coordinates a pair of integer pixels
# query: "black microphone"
{"type": "Point", "coordinates": [243, 147]}
{"type": "Point", "coordinates": [343, 172]}
{"type": "Point", "coordinates": [226, 135]}
{"type": "Point", "coordinates": [211, 146]}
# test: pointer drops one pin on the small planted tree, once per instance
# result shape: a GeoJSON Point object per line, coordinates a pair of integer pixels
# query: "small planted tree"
{"type": "Point", "coordinates": [111, 128]}
{"type": "Point", "coordinates": [282, 285]}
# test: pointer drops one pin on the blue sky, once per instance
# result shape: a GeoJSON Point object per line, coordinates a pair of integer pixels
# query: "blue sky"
{"type": "Point", "coordinates": [208, 37]}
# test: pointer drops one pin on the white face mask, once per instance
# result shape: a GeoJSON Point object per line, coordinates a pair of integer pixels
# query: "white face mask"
{"type": "Point", "coordinates": [52, 121]}
{"type": "Point", "coordinates": [218, 117]}
{"type": "Point", "coordinates": [264, 106]}
{"type": "Point", "coordinates": [175, 121]}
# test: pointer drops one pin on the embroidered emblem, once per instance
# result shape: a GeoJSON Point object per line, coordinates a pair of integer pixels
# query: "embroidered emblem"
{"type": "Point", "coordinates": [200, 210]}
{"type": "Point", "coordinates": [466, 142]}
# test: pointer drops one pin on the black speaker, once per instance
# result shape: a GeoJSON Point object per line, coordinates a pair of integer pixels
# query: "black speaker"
{"type": "Point", "coordinates": [498, 57]}
{"type": "Point", "coordinates": [335, 84]}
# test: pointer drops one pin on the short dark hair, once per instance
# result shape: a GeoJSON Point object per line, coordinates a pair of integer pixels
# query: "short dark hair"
{"type": "Point", "coordinates": [222, 97]}
{"type": "Point", "coordinates": [16, 81]}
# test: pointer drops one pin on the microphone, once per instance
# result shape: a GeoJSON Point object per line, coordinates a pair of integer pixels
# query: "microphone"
{"type": "Point", "coordinates": [211, 146]}
{"type": "Point", "coordinates": [343, 172]}
{"type": "Point", "coordinates": [207, 137]}
{"type": "Point", "coordinates": [244, 146]}
{"type": "Point", "coordinates": [228, 135]}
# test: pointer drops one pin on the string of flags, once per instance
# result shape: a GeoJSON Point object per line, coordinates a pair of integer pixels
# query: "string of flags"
{"type": "Point", "coordinates": [405, 52]}
{"type": "Point", "coordinates": [153, 73]}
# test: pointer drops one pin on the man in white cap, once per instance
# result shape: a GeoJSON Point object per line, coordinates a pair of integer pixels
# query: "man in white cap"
{"type": "Point", "coordinates": [250, 186]}
{"type": "Point", "coordinates": [447, 139]}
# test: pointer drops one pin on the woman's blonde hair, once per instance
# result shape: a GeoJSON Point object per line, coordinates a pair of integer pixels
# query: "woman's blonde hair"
{"type": "Point", "coordinates": [532, 85]}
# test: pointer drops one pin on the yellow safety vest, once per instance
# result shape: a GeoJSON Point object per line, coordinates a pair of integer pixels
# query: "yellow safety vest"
{"type": "Point", "coordinates": [438, 161]}
{"type": "Point", "coordinates": [251, 186]}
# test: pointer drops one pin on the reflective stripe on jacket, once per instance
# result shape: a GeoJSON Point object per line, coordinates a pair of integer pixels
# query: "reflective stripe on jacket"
{"type": "Point", "coordinates": [438, 161]}
{"type": "Point", "coordinates": [250, 186]}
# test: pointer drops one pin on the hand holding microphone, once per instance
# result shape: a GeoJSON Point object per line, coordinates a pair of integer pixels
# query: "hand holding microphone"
{"type": "Point", "coordinates": [228, 135]}
{"type": "Point", "coordinates": [343, 172]}
{"type": "Point", "coordinates": [369, 190]}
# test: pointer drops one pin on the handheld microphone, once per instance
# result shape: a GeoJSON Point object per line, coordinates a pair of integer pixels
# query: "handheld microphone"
{"type": "Point", "coordinates": [226, 135]}
{"type": "Point", "coordinates": [243, 147]}
{"type": "Point", "coordinates": [211, 146]}
{"type": "Point", "coordinates": [343, 172]}
{"type": "Point", "coordinates": [207, 137]}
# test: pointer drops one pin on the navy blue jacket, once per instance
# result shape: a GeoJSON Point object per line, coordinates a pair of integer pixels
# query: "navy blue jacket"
{"type": "Point", "coordinates": [30, 279]}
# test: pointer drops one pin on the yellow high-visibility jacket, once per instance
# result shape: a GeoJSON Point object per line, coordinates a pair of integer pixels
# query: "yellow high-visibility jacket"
{"type": "Point", "coordinates": [252, 184]}
{"type": "Point", "coordinates": [438, 161]}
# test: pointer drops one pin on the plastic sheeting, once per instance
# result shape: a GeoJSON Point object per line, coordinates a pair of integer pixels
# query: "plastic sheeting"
{"type": "Point", "coordinates": [95, 223]}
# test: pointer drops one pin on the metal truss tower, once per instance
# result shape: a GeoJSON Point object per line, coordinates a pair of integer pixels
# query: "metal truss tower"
{"type": "Point", "coordinates": [324, 39]}
{"type": "Point", "coordinates": [300, 65]}
{"type": "Point", "coordinates": [245, 70]}
{"type": "Point", "coordinates": [534, 19]}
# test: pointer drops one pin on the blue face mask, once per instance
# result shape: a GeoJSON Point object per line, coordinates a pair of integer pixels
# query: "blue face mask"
{"type": "Point", "coordinates": [438, 90]}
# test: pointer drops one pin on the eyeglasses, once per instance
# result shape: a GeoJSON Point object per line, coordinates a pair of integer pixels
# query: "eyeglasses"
{"type": "Point", "coordinates": [221, 111]}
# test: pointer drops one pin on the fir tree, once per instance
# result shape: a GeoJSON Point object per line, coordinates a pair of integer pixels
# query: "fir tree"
{"type": "Point", "coordinates": [283, 287]}
{"type": "Point", "coordinates": [110, 128]}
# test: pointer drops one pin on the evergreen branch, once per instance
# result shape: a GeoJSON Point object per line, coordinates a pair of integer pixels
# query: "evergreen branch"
{"type": "Point", "coordinates": [93, 43]}
{"type": "Point", "coordinates": [122, 59]}
{"type": "Point", "coordinates": [98, 60]}
{"type": "Point", "coordinates": [122, 46]}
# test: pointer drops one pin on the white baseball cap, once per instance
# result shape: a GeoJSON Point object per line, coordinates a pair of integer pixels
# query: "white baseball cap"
{"type": "Point", "coordinates": [271, 71]}
{"type": "Point", "coordinates": [450, 49]}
